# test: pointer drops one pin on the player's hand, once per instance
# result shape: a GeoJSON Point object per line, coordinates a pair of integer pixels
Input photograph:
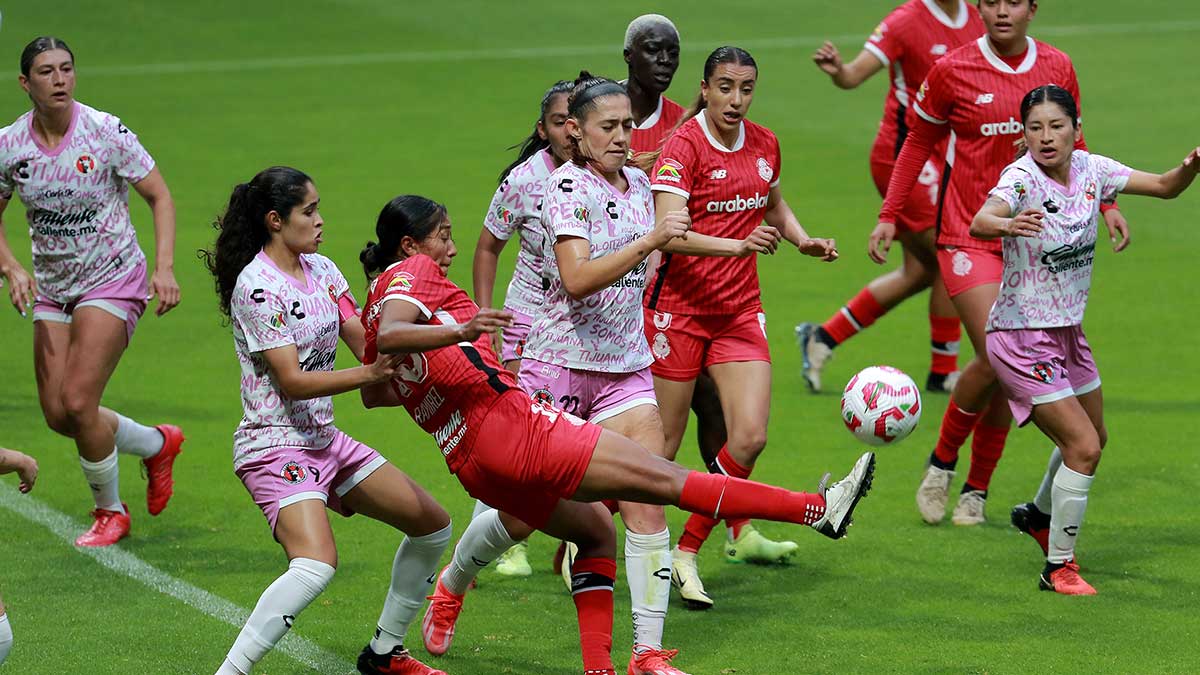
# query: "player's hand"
{"type": "Point", "coordinates": [828, 59]}
{"type": "Point", "coordinates": [674, 224]}
{"type": "Point", "coordinates": [21, 289]}
{"type": "Point", "coordinates": [881, 242]}
{"type": "Point", "coordinates": [764, 239]}
{"type": "Point", "coordinates": [498, 345]}
{"type": "Point", "coordinates": [385, 365]}
{"type": "Point", "coordinates": [1118, 229]}
{"type": "Point", "coordinates": [486, 321]}
{"type": "Point", "coordinates": [1028, 223]}
{"type": "Point", "coordinates": [1192, 161]}
{"type": "Point", "coordinates": [825, 249]}
{"type": "Point", "coordinates": [166, 289]}
{"type": "Point", "coordinates": [27, 473]}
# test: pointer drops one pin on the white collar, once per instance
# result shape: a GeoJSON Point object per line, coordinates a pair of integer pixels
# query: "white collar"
{"type": "Point", "coordinates": [650, 121]}
{"type": "Point", "coordinates": [712, 140]}
{"type": "Point", "coordinates": [998, 63]}
{"type": "Point", "coordinates": [940, 14]}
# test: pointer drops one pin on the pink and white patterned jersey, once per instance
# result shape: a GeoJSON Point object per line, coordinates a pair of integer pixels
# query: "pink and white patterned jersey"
{"type": "Point", "coordinates": [602, 332]}
{"type": "Point", "coordinates": [1047, 278]}
{"type": "Point", "coordinates": [271, 309]}
{"type": "Point", "coordinates": [517, 208]}
{"type": "Point", "coordinates": [76, 199]}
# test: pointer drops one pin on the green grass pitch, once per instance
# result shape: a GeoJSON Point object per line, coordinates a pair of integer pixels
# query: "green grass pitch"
{"type": "Point", "coordinates": [375, 98]}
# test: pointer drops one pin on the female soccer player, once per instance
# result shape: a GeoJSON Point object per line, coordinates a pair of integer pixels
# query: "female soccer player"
{"type": "Point", "coordinates": [587, 351]}
{"type": "Point", "coordinates": [907, 43]}
{"type": "Point", "coordinates": [72, 166]}
{"type": "Point", "coordinates": [533, 462]}
{"type": "Point", "coordinates": [1045, 208]}
{"type": "Point", "coordinates": [974, 92]}
{"type": "Point", "coordinates": [288, 306]}
{"type": "Point", "coordinates": [27, 470]}
{"type": "Point", "coordinates": [703, 310]}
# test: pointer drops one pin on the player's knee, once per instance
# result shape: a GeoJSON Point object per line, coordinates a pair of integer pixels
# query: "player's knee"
{"type": "Point", "coordinates": [1102, 432]}
{"type": "Point", "coordinates": [78, 407]}
{"type": "Point", "coordinates": [56, 418]}
{"type": "Point", "coordinates": [598, 538]}
{"type": "Point", "coordinates": [747, 445]}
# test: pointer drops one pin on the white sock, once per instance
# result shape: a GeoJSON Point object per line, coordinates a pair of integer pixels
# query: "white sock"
{"type": "Point", "coordinates": [413, 570]}
{"type": "Point", "coordinates": [648, 570]}
{"type": "Point", "coordinates": [137, 439]}
{"type": "Point", "coordinates": [102, 478]}
{"type": "Point", "coordinates": [6, 638]}
{"type": "Point", "coordinates": [1042, 499]}
{"type": "Point", "coordinates": [483, 540]}
{"type": "Point", "coordinates": [277, 608]}
{"type": "Point", "coordinates": [1070, 495]}
{"type": "Point", "coordinates": [480, 508]}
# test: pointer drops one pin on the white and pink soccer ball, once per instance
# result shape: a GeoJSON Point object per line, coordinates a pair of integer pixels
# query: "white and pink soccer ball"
{"type": "Point", "coordinates": [881, 405]}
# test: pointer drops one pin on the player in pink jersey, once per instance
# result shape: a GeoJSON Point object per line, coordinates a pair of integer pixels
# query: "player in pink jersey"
{"type": "Point", "coordinates": [26, 469]}
{"type": "Point", "coordinates": [703, 310]}
{"type": "Point", "coordinates": [1045, 207]}
{"type": "Point", "coordinates": [587, 351]}
{"type": "Point", "coordinates": [535, 463]}
{"type": "Point", "coordinates": [289, 306]}
{"type": "Point", "coordinates": [907, 43]}
{"type": "Point", "coordinates": [975, 93]}
{"type": "Point", "coordinates": [72, 166]}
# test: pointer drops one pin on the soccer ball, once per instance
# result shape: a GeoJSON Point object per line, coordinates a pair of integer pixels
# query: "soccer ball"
{"type": "Point", "coordinates": [881, 405]}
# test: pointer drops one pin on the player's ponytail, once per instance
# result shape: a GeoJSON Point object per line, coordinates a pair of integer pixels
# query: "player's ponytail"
{"type": "Point", "coordinates": [588, 89]}
{"type": "Point", "coordinates": [410, 216]}
{"type": "Point", "coordinates": [242, 228]}
{"type": "Point", "coordinates": [534, 143]}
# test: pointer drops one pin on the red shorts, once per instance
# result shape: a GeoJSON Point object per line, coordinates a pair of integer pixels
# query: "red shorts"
{"type": "Point", "coordinates": [527, 456]}
{"type": "Point", "coordinates": [965, 268]}
{"type": "Point", "coordinates": [919, 213]}
{"type": "Point", "coordinates": [683, 344]}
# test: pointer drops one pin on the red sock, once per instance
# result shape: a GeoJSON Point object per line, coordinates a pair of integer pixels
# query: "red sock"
{"type": "Point", "coordinates": [986, 448]}
{"type": "Point", "coordinates": [592, 582]}
{"type": "Point", "coordinates": [718, 495]}
{"type": "Point", "coordinates": [862, 311]}
{"type": "Point", "coordinates": [944, 334]}
{"type": "Point", "coordinates": [697, 528]}
{"type": "Point", "coordinates": [956, 426]}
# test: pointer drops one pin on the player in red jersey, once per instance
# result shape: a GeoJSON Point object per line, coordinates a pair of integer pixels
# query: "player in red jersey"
{"type": "Point", "coordinates": [907, 43]}
{"type": "Point", "coordinates": [535, 463]}
{"type": "Point", "coordinates": [975, 93]}
{"type": "Point", "coordinates": [703, 310]}
{"type": "Point", "coordinates": [652, 53]}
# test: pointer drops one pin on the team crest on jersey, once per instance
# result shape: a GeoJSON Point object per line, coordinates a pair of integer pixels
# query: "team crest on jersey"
{"type": "Point", "coordinates": [921, 92]}
{"type": "Point", "coordinates": [581, 213]}
{"type": "Point", "coordinates": [85, 164]}
{"type": "Point", "coordinates": [765, 171]}
{"type": "Point", "coordinates": [1019, 189]}
{"type": "Point", "coordinates": [961, 263]}
{"type": "Point", "coordinates": [1043, 371]}
{"type": "Point", "coordinates": [402, 280]}
{"type": "Point", "coordinates": [669, 171]}
{"type": "Point", "coordinates": [662, 320]}
{"type": "Point", "coordinates": [520, 350]}
{"type": "Point", "coordinates": [1090, 193]}
{"type": "Point", "coordinates": [504, 215]}
{"type": "Point", "coordinates": [660, 346]}
{"type": "Point", "coordinates": [333, 294]}
{"type": "Point", "coordinates": [293, 474]}
{"type": "Point", "coordinates": [542, 396]}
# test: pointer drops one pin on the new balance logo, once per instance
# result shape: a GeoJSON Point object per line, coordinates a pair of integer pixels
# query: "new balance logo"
{"type": "Point", "coordinates": [718, 174]}
{"type": "Point", "coordinates": [983, 99]}
{"type": "Point", "coordinates": [938, 50]}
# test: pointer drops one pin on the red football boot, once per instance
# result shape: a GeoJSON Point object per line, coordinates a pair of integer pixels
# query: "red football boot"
{"type": "Point", "coordinates": [1065, 580]}
{"type": "Point", "coordinates": [437, 628]}
{"type": "Point", "coordinates": [108, 528]}
{"type": "Point", "coordinates": [398, 662]}
{"type": "Point", "coordinates": [158, 469]}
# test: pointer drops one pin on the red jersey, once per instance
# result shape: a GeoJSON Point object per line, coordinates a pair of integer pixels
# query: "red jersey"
{"type": "Point", "coordinates": [908, 42]}
{"type": "Point", "coordinates": [727, 191]}
{"type": "Point", "coordinates": [448, 391]}
{"type": "Point", "coordinates": [973, 93]}
{"type": "Point", "coordinates": [648, 135]}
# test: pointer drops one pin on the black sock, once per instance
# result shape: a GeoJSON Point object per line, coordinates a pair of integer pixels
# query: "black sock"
{"type": "Point", "coordinates": [944, 466]}
{"type": "Point", "coordinates": [967, 487]}
{"type": "Point", "coordinates": [825, 338]}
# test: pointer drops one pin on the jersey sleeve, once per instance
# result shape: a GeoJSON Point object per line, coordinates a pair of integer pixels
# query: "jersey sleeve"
{"type": "Point", "coordinates": [935, 98]}
{"type": "Point", "coordinates": [130, 159]}
{"type": "Point", "coordinates": [502, 216]}
{"type": "Point", "coordinates": [1113, 176]}
{"type": "Point", "coordinates": [567, 209]}
{"type": "Point", "coordinates": [778, 160]}
{"type": "Point", "coordinates": [887, 40]}
{"type": "Point", "coordinates": [675, 169]}
{"type": "Point", "coordinates": [420, 282]}
{"type": "Point", "coordinates": [262, 315]}
{"type": "Point", "coordinates": [1012, 189]}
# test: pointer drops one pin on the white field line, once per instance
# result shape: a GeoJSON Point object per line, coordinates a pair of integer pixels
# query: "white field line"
{"type": "Point", "coordinates": [460, 55]}
{"type": "Point", "coordinates": [125, 563]}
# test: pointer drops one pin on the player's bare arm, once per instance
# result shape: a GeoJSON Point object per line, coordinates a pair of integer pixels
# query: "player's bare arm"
{"type": "Point", "coordinates": [299, 384]}
{"type": "Point", "coordinates": [163, 285]}
{"type": "Point", "coordinates": [25, 466]}
{"type": "Point", "coordinates": [399, 332]}
{"type": "Point", "coordinates": [780, 216]}
{"type": "Point", "coordinates": [995, 219]}
{"type": "Point", "coordinates": [846, 75]}
{"type": "Point", "coordinates": [21, 288]}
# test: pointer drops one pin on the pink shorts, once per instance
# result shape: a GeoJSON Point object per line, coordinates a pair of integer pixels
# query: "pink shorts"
{"type": "Point", "coordinates": [527, 457]}
{"type": "Point", "coordinates": [965, 268]}
{"type": "Point", "coordinates": [588, 394]}
{"type": "Point", "coordinates": [513, 346]}
{"type": "Point", "coordinates": [683, 345]}
{"type": "Point", "coordinates": [1041, 365]}
{"type": "Point", "coordinates": [124, 298]}
{"type": "Point", "coordinates": [284, 476]}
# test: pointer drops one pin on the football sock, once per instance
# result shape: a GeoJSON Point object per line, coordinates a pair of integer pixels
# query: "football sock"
{"type": "Point", "coordinates": [986, 448]}
{"type": "Point", "coordinates": [137, 439]}
{"type": "Point", "coordinates": [862, 311]}
{"type": "Point", "coordinates": [944, 335]}
{"type": "Point", "coordinates": [103, 478]}
{"type": "Point", "coordinates": [698, 527]}
{"type": "Point", "coordinates": [648, 571]}
{"type": "Point", "coordinates": [6, 637]}
{"type": "Point", "coordinates": [480, 507]}
{"type": "Point", "coordinates": [413, 569]}
{"type": "Point", "coordinates": [824, 337]}
{"type": "Point", "coordinates": [482, 542]}
{"type": "Point", "coordinates": [1069, 495]}
{"type": "Point", "coordinates": [592, 581]}
{"type": "Point", "coordinates": [1042, 499]}
{"type": "Point", "coordinates": [956, 426]}
{"type": "Point", "coordinates": [276, 610]}
{"type": "Point", "coordinates": [720, 495]}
